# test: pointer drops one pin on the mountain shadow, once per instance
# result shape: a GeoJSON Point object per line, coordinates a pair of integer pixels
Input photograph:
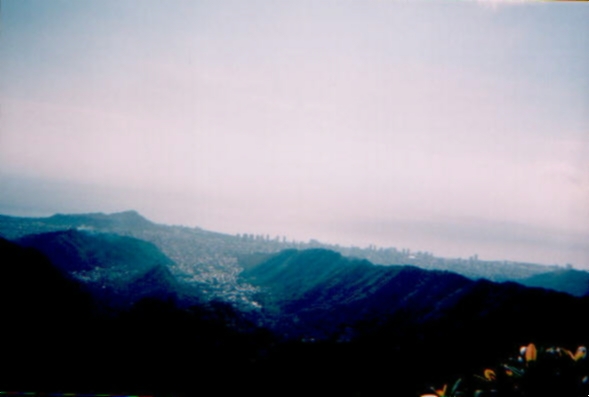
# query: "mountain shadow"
{"type": "Point", "coordinates": [42, 313]}
{"type": "Point", "coordinates": [55, 338]}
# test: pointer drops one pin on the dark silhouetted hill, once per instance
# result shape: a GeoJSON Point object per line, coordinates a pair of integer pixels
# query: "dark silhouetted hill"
{"type": "Point", "coordinates": [342, 326]}
{"type": "Point", "coordinates": [395, 324]}
{"type": "Point", "coordinates": [42, 312]}
{"type": "Point", "coordinates": [574, 282]}
{"type": "Point", "coordinates": [116, 269]}
{"type": "Point", "coordinates": [320, 292]}
{"type": "Point", "coordinates": [54, 339]}
{"type": "Point", "coordinates": [208, 259]}
{"type": "Point", "coordinates": [125, 220]}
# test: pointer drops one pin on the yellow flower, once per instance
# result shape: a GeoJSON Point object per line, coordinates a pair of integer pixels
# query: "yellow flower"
{"type": "Point", "coordinates": [580, 354]}
{"type": "Point", "coordinates": [531, 353]}
{"type": "Point", "coordinates": [490, 375]}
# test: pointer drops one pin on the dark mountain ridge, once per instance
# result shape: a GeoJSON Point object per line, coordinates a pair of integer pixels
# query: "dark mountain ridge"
{"type": "Point", "coordinates": [319, 293]}
{"type": "Point", "coordinates": [119, 270]}
{"type": "Point", "coordinates": [574, 282]}
{"type": "Point", "coordinates": [202, 255]}
{"type": "Point", "coordinates": [422, 324]}
{"type": "Point", "coordinates": [121, 220]}
{"type": "Point", "coordinates": [55, 339]}
{"type": "Point", "coordinates": [372, 326]}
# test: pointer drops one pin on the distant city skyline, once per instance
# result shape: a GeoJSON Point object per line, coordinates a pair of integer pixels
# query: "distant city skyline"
{"type": "Point", "coordinates": [457, 128]}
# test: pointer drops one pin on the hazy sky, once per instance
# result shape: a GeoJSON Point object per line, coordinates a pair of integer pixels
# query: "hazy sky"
{"type": "Point", "coordinates": [448, 126]}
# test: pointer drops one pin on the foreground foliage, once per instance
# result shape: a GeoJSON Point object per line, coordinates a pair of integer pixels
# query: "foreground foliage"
{"type": "Point", "coordinates": [551, 371]}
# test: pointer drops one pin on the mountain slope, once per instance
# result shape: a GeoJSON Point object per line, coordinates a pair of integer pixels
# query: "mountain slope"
{"type": "Point", "coordinates": [205, 261]}
{"type": "Point", "coordinates": [375, 327]}
{"type": "Point", "coordinates": [54, 339]}
{"type": "Point", "coordinates": [25, 276]}
{"type": "Point", "coordinates": [42, 312]}
{"type": "Point", "coordinates": [209, 259]}
{"type": "Point", "coordinates": [574, 282]}
{"type": "Point", "coordinates": [316, 292]}
{"type": "Point", "coordinates": [386, 327]}
{"type": "Point", "coordinates": [119, 270]}
{"type": "Point", "coordinates": [319, 278]}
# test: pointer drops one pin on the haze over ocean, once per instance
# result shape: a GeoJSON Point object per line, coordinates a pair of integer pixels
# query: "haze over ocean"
{"type": "Point", "coordinates": [458, 128]}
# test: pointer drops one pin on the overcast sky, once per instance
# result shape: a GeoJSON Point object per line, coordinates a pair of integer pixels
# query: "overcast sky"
{"type": "Point", "coordinates": [447, 126]}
